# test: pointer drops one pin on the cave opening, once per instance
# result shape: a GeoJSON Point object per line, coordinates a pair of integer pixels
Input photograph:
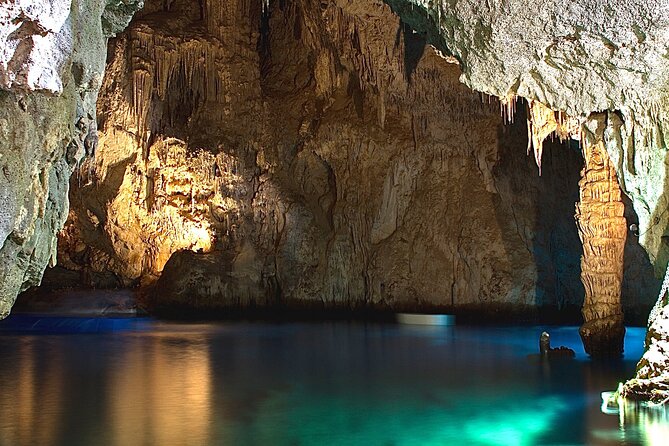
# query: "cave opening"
{"type": "Point", "coordinates": [330, 160]}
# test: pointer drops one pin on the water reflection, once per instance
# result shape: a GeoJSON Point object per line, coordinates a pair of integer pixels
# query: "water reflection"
{"type": "Point", "coordinates": [650, 425]}
{"type": "Point", "coordinates": [307, 384]}
{"type": "Point", "coordinates": [37, 397]}
{"type": "Point", "coordinates": [161, 390]}
{"type": "Point", "coordinates": [638, 423]}
{"type": "Point", "coordinates": [149, 388]}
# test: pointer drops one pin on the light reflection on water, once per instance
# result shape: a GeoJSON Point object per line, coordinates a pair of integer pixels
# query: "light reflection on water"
{"type": "Point", "coordinates": [306, 384]}
{"type": "Point", "coordinates": [162, 391]}
{"type": "Point", "coordinates": [638, 422]}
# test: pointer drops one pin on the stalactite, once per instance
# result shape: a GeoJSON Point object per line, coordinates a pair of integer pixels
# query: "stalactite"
{"type": "Point", "coordinates": [543, 122]}
{"type": "Point", "coordinates": [507, 108]}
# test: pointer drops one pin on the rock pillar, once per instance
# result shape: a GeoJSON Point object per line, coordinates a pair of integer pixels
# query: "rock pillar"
{"type": "Point", "coordinates": [603, 230]}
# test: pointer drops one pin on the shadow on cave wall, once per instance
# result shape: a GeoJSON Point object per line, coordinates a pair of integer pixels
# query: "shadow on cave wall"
{"type": "Point", "coordinates": [640, 285]}
{"type": "Point", "coordinates": [543, 210]}
{"type": "Point", "coordinates": [414, 47]}
{"type": "Point", "coordinates": [652, 282]}
{"type": "Point", "coordinates": [552, 237]}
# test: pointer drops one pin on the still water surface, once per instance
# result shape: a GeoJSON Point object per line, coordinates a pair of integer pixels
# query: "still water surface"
{"type": "Point", "coordinates": [75, 381]}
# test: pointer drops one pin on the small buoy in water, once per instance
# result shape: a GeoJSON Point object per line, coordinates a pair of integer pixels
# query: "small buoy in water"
{"type": "Point", "coordinates": [544, 343]}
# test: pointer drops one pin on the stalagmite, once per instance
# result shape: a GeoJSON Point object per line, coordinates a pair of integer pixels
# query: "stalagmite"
{"type": "Point", "coordinates": [601, 225]}
{"type": "Point", "coordinates": [603, 230]}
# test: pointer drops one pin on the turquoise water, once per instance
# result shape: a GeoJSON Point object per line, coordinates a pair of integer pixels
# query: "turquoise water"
{"type": "Point", "coordinates": [77, 381]}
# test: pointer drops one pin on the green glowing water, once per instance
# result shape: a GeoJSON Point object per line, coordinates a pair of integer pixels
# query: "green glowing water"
{"type": "Point", "coordinates": [140, 382]}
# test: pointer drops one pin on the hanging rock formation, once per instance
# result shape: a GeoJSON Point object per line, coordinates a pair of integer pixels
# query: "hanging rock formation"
{"type": "Point", "coordinates": [52, 56]}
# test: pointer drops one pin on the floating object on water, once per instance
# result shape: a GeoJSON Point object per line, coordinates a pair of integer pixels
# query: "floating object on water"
{"type": "Point", "coordinates": [425, 319]}
{"type": "Point", "coordinates": [544, 343]}
{"type": "Point", "coordinates": [546, 350]}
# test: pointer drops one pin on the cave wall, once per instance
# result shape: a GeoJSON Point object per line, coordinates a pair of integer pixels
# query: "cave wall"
{"type": "Point", "coordinates": [603, 63]}
{"type": "Point", "coordinates": [581, 57]}
{"type": "Point", "coordinates": [52, 57]}
{"type": "Point", "coordinates": [318, 154]}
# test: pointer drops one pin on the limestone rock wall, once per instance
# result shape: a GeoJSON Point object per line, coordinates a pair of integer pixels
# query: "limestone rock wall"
{"type": "Point", "coordinates": [580, 57]}
{"type": "Point", "coordinates": [575, 56]}
{"type": "Point", "coordinates": [52, 56]}
{"type": "Point", "coordinates": [317, 154]}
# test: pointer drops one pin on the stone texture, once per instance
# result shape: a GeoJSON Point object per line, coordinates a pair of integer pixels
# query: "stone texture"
{"type": "Point", "coordinates": [579, 57]}
{"type": "Point", "coordinates": [35, 44]}
{"type": "Point", "coordinates": [52, 56]}
{"type": "Point", "coordinates": [651, 382]}
{"type": "Point", "coordinates": [603, 231]}
{"type": "Point", "coordinates": [364, 175]}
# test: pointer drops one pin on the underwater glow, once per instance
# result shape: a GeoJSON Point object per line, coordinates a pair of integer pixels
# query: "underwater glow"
{"type": "Point", "coordinates": [647, 423]}
{"type": "Point", "coordinates": [514, 424]}
{"type": "Point", "coordinates": [328, 418]}
{"type": "Point", "coordinates": [308, 384]}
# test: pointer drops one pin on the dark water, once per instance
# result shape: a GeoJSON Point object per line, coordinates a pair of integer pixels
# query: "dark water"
{"type": "Point", "coordinates": [140, 382]}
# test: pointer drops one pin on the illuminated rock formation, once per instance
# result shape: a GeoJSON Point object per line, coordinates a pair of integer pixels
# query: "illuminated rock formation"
{"type": "Point", "coordinates": [52, 56]}
{"type": "Point", "coordinates": [651, 382]}
{"type": "Point", "coordinates": [603, 231]}
{"type": "Point", "coordinates": [542, 122]}
{"type": "Point", "coordinates": [360, 173]}
{"type": "Point", "coordinates": [338, 163]}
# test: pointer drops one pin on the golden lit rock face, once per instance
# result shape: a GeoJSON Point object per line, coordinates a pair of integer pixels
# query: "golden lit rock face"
{"type": "Point", "coordinates": [158, 185]}
{"type": "Point", "coordinates": [603, 231]}
{"type": "Point", "coordinates": [543, 122]}
{"type": "Point", "coordinates": [328, 158]}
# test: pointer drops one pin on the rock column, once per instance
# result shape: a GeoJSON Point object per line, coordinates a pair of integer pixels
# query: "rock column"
{"type": "Point", "coordinates": [603, 230]}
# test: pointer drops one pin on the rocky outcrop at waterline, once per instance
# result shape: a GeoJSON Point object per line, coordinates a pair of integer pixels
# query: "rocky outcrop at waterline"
{"type": "Point", "coordinates": [52, 58]}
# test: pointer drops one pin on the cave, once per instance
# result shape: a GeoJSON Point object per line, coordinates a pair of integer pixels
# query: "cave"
{"type": "Point", "coordinates": [334, 222]}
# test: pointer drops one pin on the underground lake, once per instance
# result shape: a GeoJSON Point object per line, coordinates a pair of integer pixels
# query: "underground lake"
{"type": "Point", "coordinates": [334, 222]}
{"type": "Point", "coordinates": [134, 381]}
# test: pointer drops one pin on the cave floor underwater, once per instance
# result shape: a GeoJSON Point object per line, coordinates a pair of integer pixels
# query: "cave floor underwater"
{"type": "Point", "coordinates": [135, 380]}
